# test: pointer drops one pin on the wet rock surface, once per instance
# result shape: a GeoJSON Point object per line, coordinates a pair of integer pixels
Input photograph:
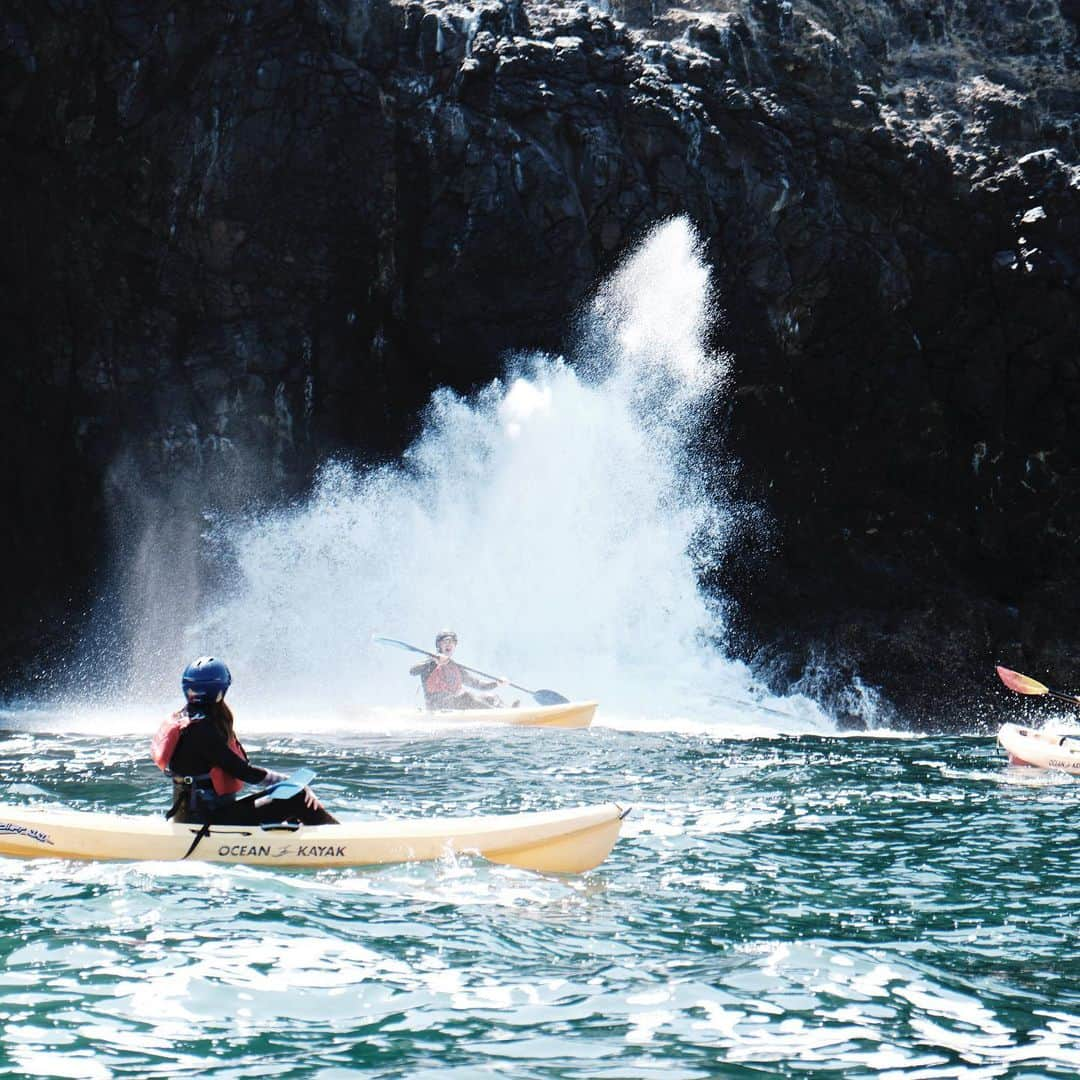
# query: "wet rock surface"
{"type": "Point", "coordinates": [241, 237]}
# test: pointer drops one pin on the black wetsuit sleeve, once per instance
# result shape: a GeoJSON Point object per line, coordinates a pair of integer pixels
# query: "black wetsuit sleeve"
{"type": "Point", "coordinates": [424, 669]}
{"type": "Point", "coordinates": [201, 748]}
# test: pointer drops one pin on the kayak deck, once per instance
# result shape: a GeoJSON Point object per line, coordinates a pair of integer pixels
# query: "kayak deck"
{"type": "Point", "coordinates": [1040, 749]}
{"type": "Point", "coordinates": [572, 714]}
{"type": "Point", "coordinates": [556, 841]}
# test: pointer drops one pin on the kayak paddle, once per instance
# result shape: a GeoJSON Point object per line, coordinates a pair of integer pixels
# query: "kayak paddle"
{"type": "Point", "coordinates": [287, 788]}
{"type": "Point", "coordinates": [542, 697]}
{"type": "Point", "coordinates": [1024, 684]}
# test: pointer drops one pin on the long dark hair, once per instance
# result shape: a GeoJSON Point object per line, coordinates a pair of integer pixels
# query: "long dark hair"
{"type": "Point", "coordinates": [219, 714]}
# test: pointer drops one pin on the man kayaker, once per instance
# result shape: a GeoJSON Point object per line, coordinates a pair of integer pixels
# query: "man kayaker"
{"type": "Point", "coordinates": [198, 746]}
{"type": "Point", "coordinates": [444, 681]}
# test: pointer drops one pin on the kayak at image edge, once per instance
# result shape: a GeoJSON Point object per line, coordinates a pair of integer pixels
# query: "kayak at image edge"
{"type": "Point", "coordinates": [553, 841]}
{"type": "Point", "coordinates": [574, 714]}
{"type": "Point", "coordinates": [1041, 749]}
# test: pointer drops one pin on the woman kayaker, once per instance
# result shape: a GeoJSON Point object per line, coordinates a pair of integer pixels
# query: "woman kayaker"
{"type": "Point", "coordinates": [199, 748]}
{"type": "Point", "coordinates": [444, 681]}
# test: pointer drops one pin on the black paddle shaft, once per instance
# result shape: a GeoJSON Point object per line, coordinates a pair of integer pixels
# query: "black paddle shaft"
{"type": "Point", "coordinates": [544, 697]}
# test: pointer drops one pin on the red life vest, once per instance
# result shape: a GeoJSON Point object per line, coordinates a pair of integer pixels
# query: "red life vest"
{"type": "Point", "coordinates": [444, 680]}
{"type": "Point", "coordinates": [163, 746]}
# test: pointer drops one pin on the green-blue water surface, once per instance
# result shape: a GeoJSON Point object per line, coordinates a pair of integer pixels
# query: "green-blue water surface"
{"type": "Point", "coordinates": [793, 906]}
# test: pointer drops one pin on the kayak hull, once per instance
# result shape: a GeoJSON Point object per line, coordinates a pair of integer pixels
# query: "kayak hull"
{"type": "Point", "coordinates": [555, 841]}
{"type": "Point", "coordinates": [1041, 749]}
{"type": "Point", "coordinates": [573, 714]}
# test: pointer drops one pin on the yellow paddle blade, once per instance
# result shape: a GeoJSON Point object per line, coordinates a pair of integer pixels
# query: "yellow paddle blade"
{"type": "Point", "coordinates": [1022, 684]}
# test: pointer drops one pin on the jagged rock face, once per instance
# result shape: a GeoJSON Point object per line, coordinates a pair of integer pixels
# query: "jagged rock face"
{"type": "Point", "coordinates": [261, 233]}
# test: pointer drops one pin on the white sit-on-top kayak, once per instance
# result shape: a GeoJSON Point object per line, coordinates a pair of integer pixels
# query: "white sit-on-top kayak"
{"type": "Point", "coordinates": [1043, 749]}
{"type": "Point", "coordinates": [557, 841]}
{"type": "Point", "coordinates": [573, 714]}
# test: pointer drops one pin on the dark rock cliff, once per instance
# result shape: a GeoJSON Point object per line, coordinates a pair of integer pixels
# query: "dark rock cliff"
{"type": "Point", "coordinates": [248, 233]}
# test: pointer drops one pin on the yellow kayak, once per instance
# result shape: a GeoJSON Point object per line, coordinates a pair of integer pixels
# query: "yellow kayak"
{"type": "Point", "coordinates": [574, 714]}
{"type": "Point", "coordinates": [1043, 749]}
{"type": "Point", "coordinates": [556, 841]}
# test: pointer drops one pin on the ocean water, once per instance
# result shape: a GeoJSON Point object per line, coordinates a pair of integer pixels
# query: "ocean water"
{"type": "Point", "coordinates": [785, 900]}
{"type": "Point", "coordinates": [784, 905]}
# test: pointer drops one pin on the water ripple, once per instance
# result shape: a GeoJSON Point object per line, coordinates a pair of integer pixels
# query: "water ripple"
{"type": "Point", "coordinates": [819, 906]}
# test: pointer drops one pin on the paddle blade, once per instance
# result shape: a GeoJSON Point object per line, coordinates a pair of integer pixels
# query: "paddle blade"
{"type": "Point", "coordinates": [549, 697]}
{"type": "Point", "coordinates": [296, 783]}
{"type": "Point", "coordinates": [399, 644]}
{"type": "Point", "coordinates": [1022, 684]}
{"type": "Point", "coordinates": [286, 789]}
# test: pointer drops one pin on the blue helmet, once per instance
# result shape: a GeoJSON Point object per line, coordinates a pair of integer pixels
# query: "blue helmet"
{"type": "Point", "coordinates": [444, 635]}
{"type": "Point", "coordinates": [205, 680]}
